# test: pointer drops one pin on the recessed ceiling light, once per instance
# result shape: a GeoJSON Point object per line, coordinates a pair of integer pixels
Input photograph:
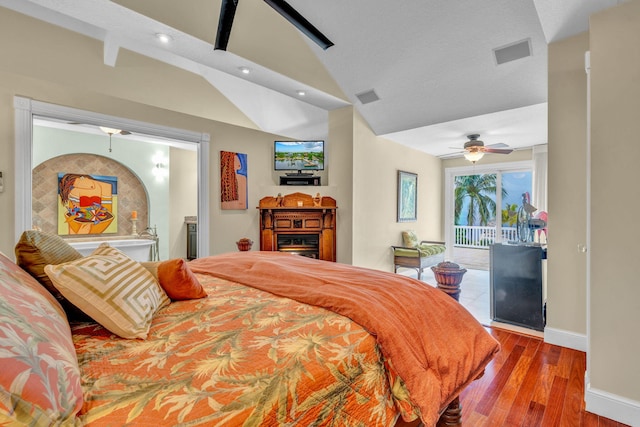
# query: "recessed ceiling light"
{"type": "Point", "coordinates": [301, 93]}
{"type": "Point", "coordinates": [164, 38]}
{"type": "Point", "coordinates": [244, 70]}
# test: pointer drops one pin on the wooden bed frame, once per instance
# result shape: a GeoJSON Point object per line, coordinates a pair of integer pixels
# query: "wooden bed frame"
{"type": "Point", "coordinates": [451, 417]}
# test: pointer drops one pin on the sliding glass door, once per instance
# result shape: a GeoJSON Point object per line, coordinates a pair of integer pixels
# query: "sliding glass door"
{"type": "Point", "coordinates": [482, 204]}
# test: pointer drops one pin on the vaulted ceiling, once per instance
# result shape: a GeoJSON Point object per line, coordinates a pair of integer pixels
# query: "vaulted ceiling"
{"type": "Point", "coordinates": [431, 63]}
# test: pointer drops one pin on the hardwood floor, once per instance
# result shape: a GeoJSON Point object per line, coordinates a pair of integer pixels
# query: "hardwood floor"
{"type": "Point", "coordinates": [530, 383]}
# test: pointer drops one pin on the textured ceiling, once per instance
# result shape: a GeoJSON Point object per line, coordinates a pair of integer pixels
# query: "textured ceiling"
{"type": "Point", "coordinates": [430, 61]}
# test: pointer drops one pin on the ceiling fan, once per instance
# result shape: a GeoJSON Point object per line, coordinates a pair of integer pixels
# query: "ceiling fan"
{"type": "Point", "coordinates": [474, 149]}
{"type": "Point", "coordinates": [111, 131]}
{"type": "Point", "coordinates": [228, 11]}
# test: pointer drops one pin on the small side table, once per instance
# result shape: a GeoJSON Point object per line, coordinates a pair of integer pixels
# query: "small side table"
{"type": "Point", "coordinates": [448, 275]}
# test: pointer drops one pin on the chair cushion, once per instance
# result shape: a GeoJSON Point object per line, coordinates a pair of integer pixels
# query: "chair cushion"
{"type": "Point", "coordinates": [410, 239]}
{"type": "Point", "coordinates": [428, 250]}
{"type": "Point", "coordinates": [423, 250]}
{"type": "Point", "coordinates": [35, 250]}
{"type": "Point", "coordinates": [40, 377]}
{"type": "Point", "coordinates": [113, 289]}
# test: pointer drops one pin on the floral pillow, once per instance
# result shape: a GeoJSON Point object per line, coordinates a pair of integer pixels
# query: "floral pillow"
{"type": "Point", "coordinates": [39, 378]}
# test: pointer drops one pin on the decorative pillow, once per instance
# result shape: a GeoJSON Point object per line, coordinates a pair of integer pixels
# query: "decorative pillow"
{"type": "Point", "coordinates": [410, 238]}
{"type": "Point", "coordinates": [176, 278]}
{"type": "Point", "coordinates": [152, 267]}
{"type": "Point", "coordinates": [39, 378]}
{"type": "Point", "coordinates": [178, 281]}
{"type": "Point", "coordinates": [34, 250]}
{"type": "Point", "coordinates": [113, 289]}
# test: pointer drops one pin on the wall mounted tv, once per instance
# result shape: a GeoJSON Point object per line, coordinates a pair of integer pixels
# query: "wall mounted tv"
{"type": "Point", "coordinates": [298, 156]}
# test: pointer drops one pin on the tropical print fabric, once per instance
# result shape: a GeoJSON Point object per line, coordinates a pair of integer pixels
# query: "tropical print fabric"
{"type": "Point", "coordinates": [426, 337]}
{"type": "Point", "coordinates": [39, 374]}
{"type": "Point", "coordinates": [240, 357]}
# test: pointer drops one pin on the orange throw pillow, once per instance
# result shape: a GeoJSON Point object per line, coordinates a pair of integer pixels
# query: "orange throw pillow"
{"type": "Point", "coordinates": [178, 281]}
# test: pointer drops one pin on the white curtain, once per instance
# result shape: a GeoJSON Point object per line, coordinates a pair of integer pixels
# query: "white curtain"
{"type": "Point", "coordinates": [539, 176]}
{"type": "Point", "coordinates": [539, 188]}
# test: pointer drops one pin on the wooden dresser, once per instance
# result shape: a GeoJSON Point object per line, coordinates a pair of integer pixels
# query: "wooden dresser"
{"type": "Point", "coordinates": [299, 223]}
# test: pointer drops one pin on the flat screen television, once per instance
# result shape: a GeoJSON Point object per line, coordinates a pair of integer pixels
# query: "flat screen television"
{"type": "Point", "coordinates": [298, 156]}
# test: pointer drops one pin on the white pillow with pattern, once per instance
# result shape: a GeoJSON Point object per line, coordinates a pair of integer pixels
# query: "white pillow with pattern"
{"type": "Point", "coordinates": [113, 289]}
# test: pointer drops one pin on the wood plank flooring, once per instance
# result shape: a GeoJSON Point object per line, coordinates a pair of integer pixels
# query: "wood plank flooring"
{"type": "Point", "coordinates": [530, 384]}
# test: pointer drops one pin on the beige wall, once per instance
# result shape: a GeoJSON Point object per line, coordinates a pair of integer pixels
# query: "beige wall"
{"type": "Point", "coordinates": [566, 265]}
{"type": "Point", "coordinates": [183, 187]}
{"type": "Point", "coordinates": [375, 179]}
{"type": "Point", "coordinates": [615, 295]}
{"type": "Point", "coordinates": [341, 161]}
{"type": "Point", "coordinates": [611, 317]}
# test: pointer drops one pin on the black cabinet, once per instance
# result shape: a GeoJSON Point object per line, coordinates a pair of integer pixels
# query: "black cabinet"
{"type": "Point", "coordinates": [192, 241]}
{"type": "Point", "coordinates": [516, 290]}
{"type": "Point", "coordinates": [300, 180]}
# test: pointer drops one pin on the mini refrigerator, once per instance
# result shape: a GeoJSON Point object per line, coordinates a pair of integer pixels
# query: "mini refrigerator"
{"type": "Point", "coordinates": [517, 284]}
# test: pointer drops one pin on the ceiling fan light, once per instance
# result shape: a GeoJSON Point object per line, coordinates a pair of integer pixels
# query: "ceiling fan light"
{"type": "Point", "coordinates": [473, 156]}
{"type": "Point", "coordinates": [110, 131]}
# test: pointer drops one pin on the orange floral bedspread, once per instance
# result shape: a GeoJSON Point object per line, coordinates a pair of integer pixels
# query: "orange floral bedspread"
{"type": "Point", "coordinates": [434, 345]}
{"type": "Point", "coordinates": [240, 357]}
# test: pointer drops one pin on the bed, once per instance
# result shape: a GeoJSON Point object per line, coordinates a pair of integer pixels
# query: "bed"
{"type": "Point", "coordinates": [278, 340]}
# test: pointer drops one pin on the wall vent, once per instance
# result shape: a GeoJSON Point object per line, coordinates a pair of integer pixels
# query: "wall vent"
{"type": "Point", "coordinates": [513, 51]}
{"type": "Point", "coordinates": [368, 96]}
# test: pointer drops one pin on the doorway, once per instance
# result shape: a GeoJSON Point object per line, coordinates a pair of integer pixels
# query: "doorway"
{"type": "Point", "coordinates": [27, 111]}
{"type": "Point", "coordinates": [480, 204]}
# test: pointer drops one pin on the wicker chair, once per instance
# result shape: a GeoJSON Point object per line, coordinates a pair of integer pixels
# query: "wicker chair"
{"type": "Point", "coordinates": [417, 254]}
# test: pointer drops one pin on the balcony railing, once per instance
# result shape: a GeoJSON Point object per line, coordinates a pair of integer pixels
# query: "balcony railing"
{"type": "Point", "coordinates": [467, 236]}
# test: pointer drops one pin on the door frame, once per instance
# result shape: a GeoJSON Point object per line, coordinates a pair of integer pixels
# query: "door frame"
{"type": "Point", "coordinates": [25, 109]}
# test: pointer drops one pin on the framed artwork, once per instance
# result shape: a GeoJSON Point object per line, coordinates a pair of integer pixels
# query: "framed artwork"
{"type": "Point", "coordinates": [87, 204]}
{"type": "Point", "coordinates": [407, 196]}
{"type": "Point", "coordinates": [233, 181]}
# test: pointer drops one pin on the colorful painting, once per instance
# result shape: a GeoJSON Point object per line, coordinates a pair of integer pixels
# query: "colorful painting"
{"type": "Point", "coordinates": [407, 196]}
{"type": "Point", "coordinates": [233, 180]}
{"type": "Point", "coordinates": [87, 204]}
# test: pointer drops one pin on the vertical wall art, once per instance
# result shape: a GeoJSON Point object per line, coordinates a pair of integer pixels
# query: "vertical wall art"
{"type": "Point", "coordinates": [233, 180]}
{"type": "Point", "coordinates": [87, 204]}
{"type": "Point", "coordinates": [407, 196]}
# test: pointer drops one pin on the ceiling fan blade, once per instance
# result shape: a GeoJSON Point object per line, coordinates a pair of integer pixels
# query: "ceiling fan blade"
{"type": "Point", "coordinates": [299, 21]}
{"type": "Point", "coordinates": [497, 145]}
{"type": "Point", "coordinates": [497, 150]}
{"type": "Point", "coordinates": [227, 12]}
{"type": "Point", "coordinates": [125, 132]}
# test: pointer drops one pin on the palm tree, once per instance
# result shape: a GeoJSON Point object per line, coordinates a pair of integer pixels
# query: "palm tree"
{"type": "Point", "coordinates": [510, 214]}
{"type": "Point", "coordinates": [479, 191]}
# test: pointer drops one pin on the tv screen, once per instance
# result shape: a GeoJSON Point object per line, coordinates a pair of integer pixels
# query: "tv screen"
{"type": "Point", "coordinates": [299, 155]}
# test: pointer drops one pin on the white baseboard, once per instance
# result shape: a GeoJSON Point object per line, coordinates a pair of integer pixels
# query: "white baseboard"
{"type": "Point", "coordinates": [611, 406]}
{"type": "Point", "coordinates": [565, 339]}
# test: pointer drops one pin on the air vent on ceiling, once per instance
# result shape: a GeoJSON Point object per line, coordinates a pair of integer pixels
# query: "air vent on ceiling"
{"type": "Point", "coordinates": [368, 96]}
{"type": "Point", "coordinates": [514, 51]}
